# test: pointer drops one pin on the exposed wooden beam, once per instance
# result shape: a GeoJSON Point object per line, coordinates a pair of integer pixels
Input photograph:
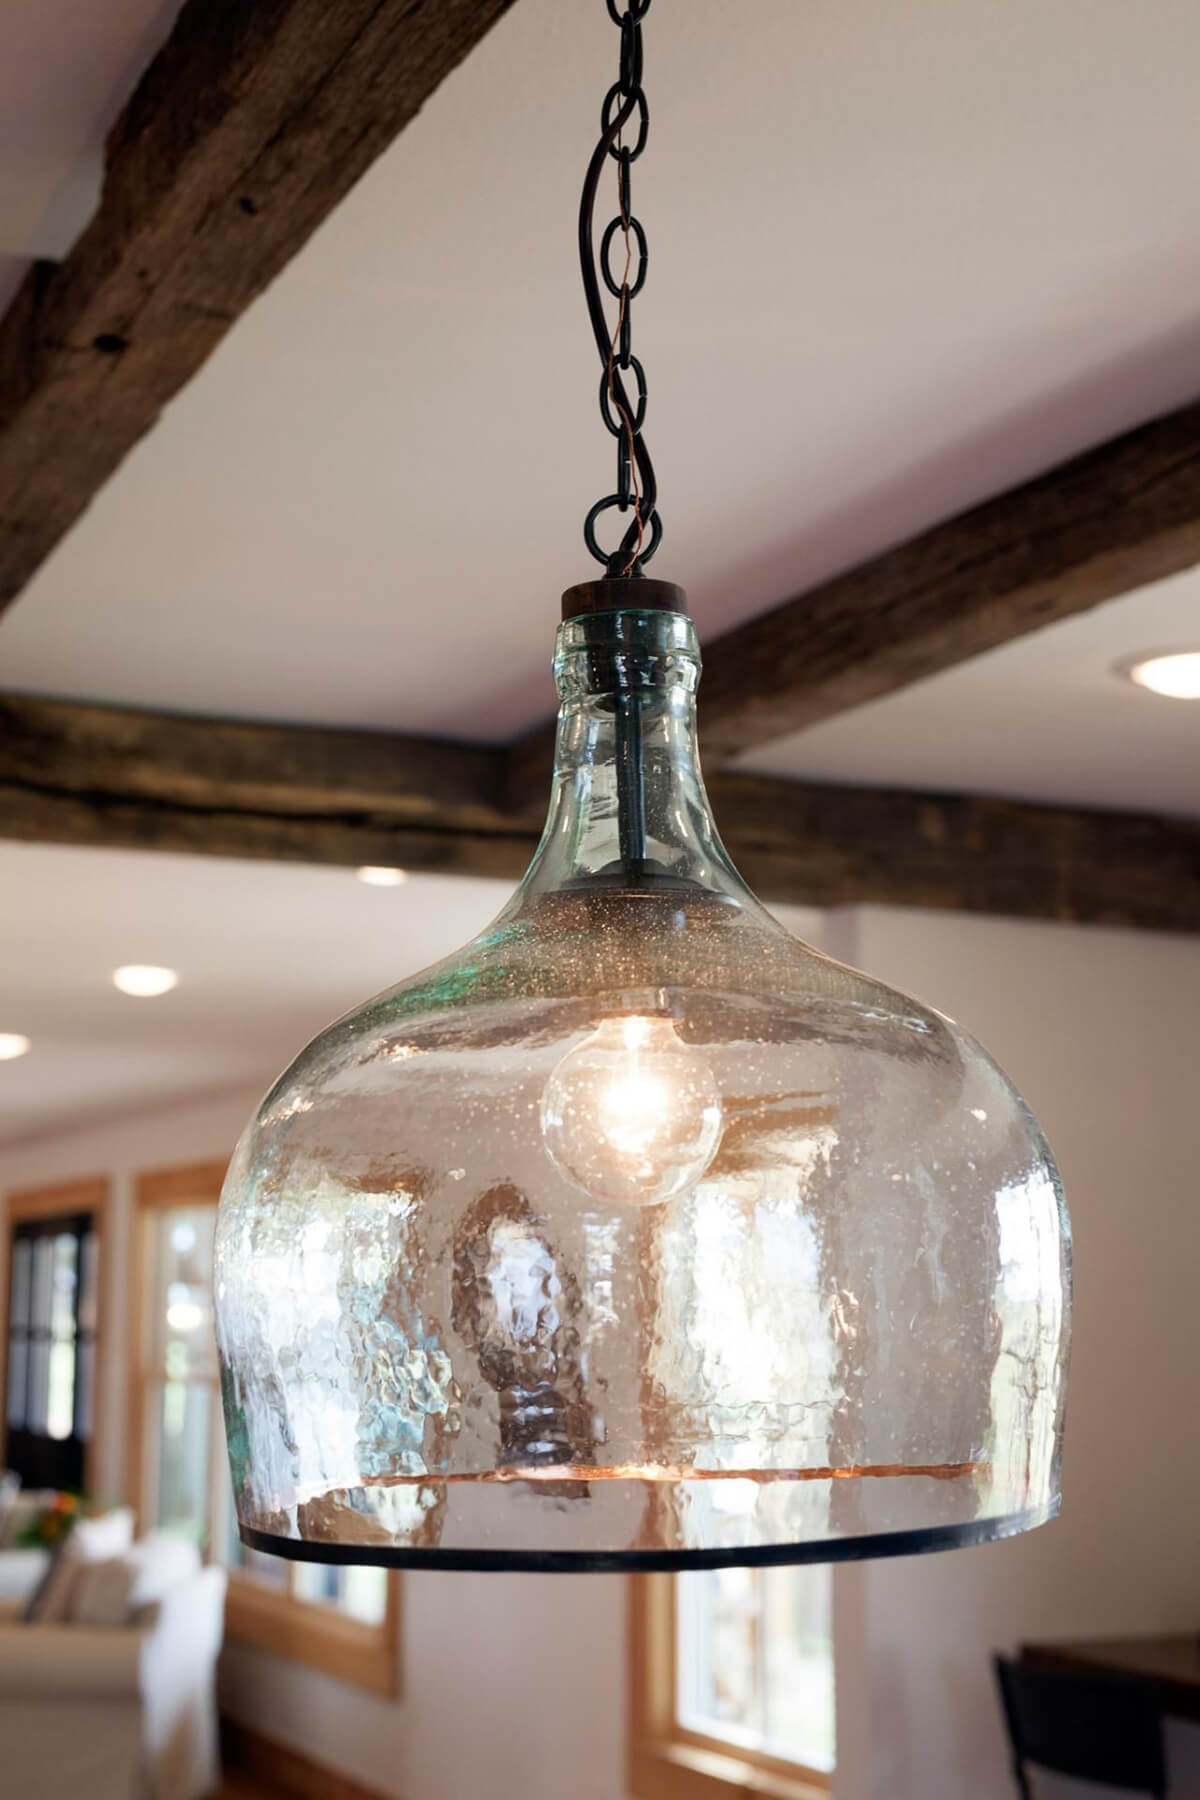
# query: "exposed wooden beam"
{"type": "Point", "coordinates": [81, 774]}
{"type": "Point", "coordinates": [102, 776]}
{"type": "Point", "coordinates": [826, 845]}
{"type": "Point", "coordinates": [69, 747]}
{"type": "Point", "coordinates": [252, 122]}
{"type": "Point", "coordinates": [1124, 515]}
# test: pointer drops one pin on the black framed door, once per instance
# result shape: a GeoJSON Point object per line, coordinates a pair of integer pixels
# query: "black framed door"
{"type": "Point", "coordinates": [51, 1360]}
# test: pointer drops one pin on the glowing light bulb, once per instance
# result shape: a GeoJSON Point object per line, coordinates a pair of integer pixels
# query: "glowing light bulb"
{"type": "Point", "coordinates": [632, 1114]}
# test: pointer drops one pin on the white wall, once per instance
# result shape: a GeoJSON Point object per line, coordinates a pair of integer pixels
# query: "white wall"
{"type": "Point", "coordinates": [514, 1685]}
{"type": "Point", "coordinates": [1099, 1031]}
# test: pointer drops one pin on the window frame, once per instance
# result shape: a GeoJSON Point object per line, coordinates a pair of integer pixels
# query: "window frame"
{"type": "Point", "coordinates": [665, 1760]}
{"type": "Point", "coordinates": [301, 1631]}
{"type": "Point", "coordinates": [88, 1195]}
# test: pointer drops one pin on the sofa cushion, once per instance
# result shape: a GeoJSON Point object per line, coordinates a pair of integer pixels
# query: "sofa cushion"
{"type": "Point", "coordinates": [90, 1541]}
{"type": "Point", "coordinates": [48, 1603]}
{"type": "Point", "coordinates": [101, 1591]}
{"type": "Point", "coordinates": [159, 1561]}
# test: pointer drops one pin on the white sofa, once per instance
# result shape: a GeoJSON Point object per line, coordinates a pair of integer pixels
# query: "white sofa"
{"type": "Point", "coordinates": [103, 1712]}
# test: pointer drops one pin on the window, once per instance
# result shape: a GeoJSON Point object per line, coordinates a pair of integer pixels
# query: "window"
{"type": "Point", "coordinates": [732, 1684]}
{"type": "Point", "coordinates": [51, 1334]}
{"type": "Point", "coordinates": [341, 1620]}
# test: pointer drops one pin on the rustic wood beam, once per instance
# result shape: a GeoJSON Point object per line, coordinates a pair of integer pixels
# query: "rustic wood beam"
{"type": "Point", "coordinates": [72, 773]}
{"type": "Point", "coordinates": [253, 121]}
{"type": "Point", "coordinates": [1101, 525]}
{"type": "Point", "coordinates": [73, 748]}
{"type": "Point", "coordinates": [101, 776]}
{"type": "Point", "coordinates": [826, 845]}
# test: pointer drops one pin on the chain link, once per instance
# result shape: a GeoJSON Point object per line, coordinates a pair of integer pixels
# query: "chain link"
{"type": "Point", "coordinates": [625, 112]}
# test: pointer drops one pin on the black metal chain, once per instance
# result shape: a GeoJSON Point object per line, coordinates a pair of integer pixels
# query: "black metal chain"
{"type": "Point", "coordinates": [625, 106]}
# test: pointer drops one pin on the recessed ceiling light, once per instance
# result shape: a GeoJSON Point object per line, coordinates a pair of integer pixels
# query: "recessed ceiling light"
{"type": "Point", "coordinates": [377, 877]}
{"type": "Point", "coordinates": [12, 1045]}
{"type": "Point", "coordinates": [1175, 673]}
{"type": "Point", "coordinates": [144, 980]}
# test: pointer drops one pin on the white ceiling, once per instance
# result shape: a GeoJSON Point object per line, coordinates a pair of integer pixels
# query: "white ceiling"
{"type": "Point", "coordinates": [65, 69]}
{"type": "Point", "coordinates": [267, 953]}
{"type": "Point", "coordinates": [1046, 718]}
{"type": "Point", "coordinates": [902, 257]}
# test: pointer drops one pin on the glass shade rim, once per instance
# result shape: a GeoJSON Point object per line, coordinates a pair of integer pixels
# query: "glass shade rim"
{"type": "Point", "coordinates": [916, 1541]}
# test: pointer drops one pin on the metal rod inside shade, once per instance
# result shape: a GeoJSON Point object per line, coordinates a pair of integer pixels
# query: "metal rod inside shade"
{"type": "Point", "coordinates": [631, 785]}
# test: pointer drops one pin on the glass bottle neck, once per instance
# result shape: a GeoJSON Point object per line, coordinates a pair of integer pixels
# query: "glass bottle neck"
{"type": "Point", "coordinates": [628, 808]}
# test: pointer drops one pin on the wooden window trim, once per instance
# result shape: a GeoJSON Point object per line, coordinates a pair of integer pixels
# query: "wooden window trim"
{"type": "Point", "coordinates": [156, 1191]}
{"type": "Point", "coordinates": [667, 1762]}
{"type": "Point", "coordinates": [366, 1656]}
{"type": "Point", "coordinates": [86, 1196]}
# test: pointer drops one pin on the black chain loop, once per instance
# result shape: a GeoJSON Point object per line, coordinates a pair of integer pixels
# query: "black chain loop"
{"type": "Point", "coordinates": [631, 54]}
{"type": "Point", "coordinates": [616, 288]}
{"type": "Point", "coordinates": [624, 473]}
{"type": "Point", "coordinates": [619, 99]}
{"type": "Point", "coordinates": [637, 11]}
{"type": "Point", "coordinates": [618, 425]}
{"type": "Point", "coordinates": [589, 534]}
{"type": "Point", "coordinates": [625, 111]}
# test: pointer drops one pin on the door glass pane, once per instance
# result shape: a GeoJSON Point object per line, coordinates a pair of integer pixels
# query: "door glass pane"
{"type": "Point", "coordinates": [755, 1660]}
{"type": "Point", "coordinates": [60, 1389]}
{"type": "Point", "coordinates": [43, 1283]}
{"type": "Point", "coordinates": [720, 1667]}
{"type": "Point", "coordinates": [180, 1422]}
{"type": "Point", "coordinates": [65, 1274]}
{"type": "Point", "coordinates": [49, 1399]}
{"type": "Point", "coordinates": [798, 1657]}
{"type": "Point", "coordinates": [181, 1268]}
{"type": "Point", "coordinates": [85, 1387]}
{"type": "Point", "coordinates": [359, 1593]}
{"type": "Point", "coordinates": [317, 1583]}
{"type": "Point", "coordinates": [364, 1594]}
{"type": "Point", "coordinates": [60, 1385]}
{"type": "Point", "coordinates": [89, 1272]}
{"type": "Point", "coordinates": [22, 1270]}
{"type": "Point", "coordinates": [18, 1374]}
{"type": "Point", "coordinates": [39, 1383]}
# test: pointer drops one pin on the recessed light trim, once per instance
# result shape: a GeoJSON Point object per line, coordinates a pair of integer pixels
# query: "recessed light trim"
{"type": "Point", "coordinates": [376, 876]}
{"type": "Point", "coordinates": [144, 981]}
{"type": "Point", "coordinates": [13, 1044]}
{"type": "Point", "coordinates": [1175, 674]}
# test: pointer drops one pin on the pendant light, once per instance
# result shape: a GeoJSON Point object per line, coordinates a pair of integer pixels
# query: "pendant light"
{"type": "Point", "coordinates": [638, 1234]}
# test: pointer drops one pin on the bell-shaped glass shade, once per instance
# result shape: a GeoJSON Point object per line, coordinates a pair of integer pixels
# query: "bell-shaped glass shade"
{"type": "Point", "coordinates": [638, 1233]}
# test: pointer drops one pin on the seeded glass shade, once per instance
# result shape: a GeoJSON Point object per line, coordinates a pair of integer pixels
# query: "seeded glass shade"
{"type": "Point", "coordinates": [638, 1233]}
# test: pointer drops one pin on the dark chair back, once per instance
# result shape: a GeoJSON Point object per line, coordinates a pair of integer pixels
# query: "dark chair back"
{"type": "Point", "coordinates": [1096, 1728]}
